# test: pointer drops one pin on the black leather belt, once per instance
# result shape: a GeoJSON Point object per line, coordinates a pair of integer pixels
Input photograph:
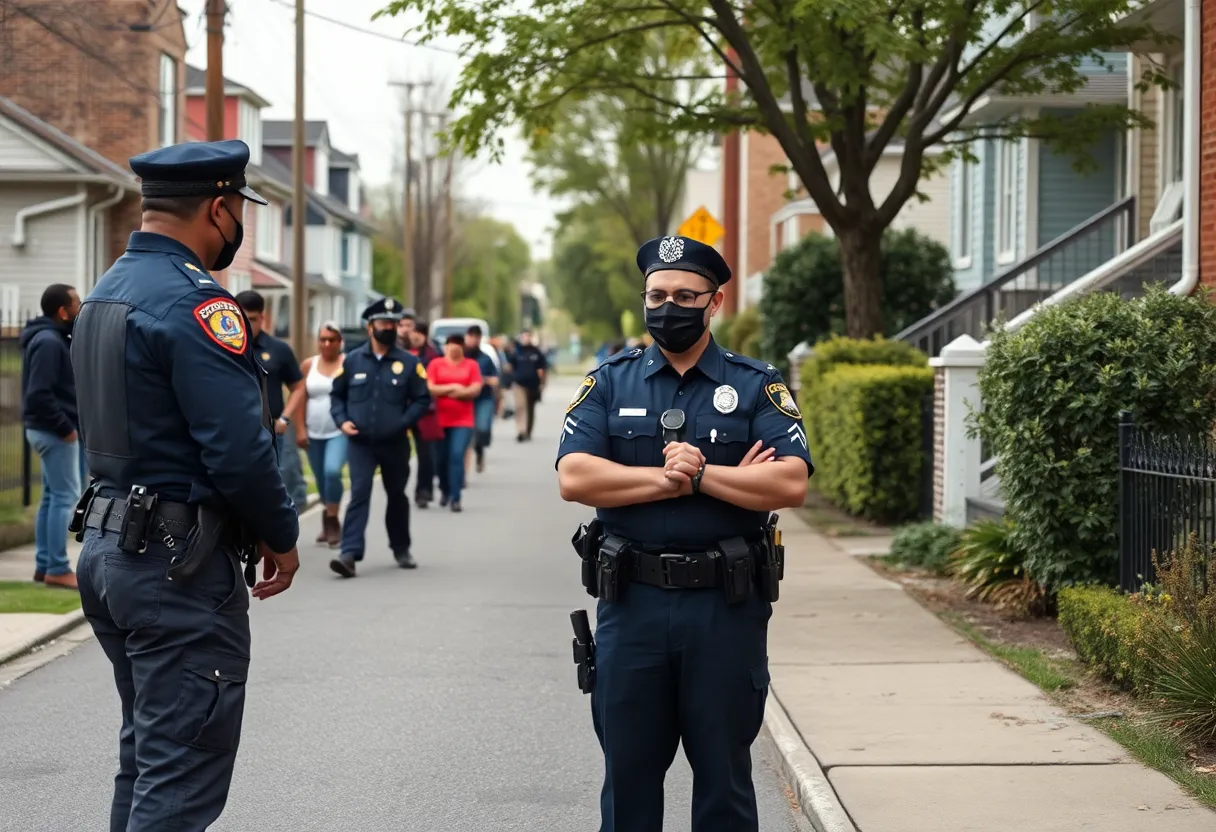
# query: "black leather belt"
{"type": "Point", "coordinates": [701, 570]}
{"type": "Point", "coordinates": [106, 514]}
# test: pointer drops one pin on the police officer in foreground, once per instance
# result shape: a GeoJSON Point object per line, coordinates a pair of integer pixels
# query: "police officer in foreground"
{"type": "Point", "coordinates": [378, 395]}
{"type": "Point", "coordinates": [684, 449]}
{"type": "Point", "coordinates": [185, 486]}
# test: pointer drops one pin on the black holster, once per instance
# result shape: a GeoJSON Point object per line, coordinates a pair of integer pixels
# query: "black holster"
{"type": "Point", "coordinates": [771, 561]}
{"type": "Point", "coordinates": [136, 521]}
{"type": "Point", "coordinates": [586, 542]}
{"type": "Point", "coordinates": [584, 650]}
{"type": "Point", "coordinates": [736, 569]}
{"type": "Point", "coordinates": [206, 536]}
{"type": "Point", "coordinates": [613, 573]}
{"type": "Point", "coordinates": [76, 526]}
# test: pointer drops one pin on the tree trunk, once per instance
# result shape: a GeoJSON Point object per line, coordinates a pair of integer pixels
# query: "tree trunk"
{"type": "Point", "coordinates": [861, 259]}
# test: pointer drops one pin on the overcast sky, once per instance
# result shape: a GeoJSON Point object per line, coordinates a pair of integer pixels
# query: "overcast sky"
{"type": "Point", "coordinates": [347, 84]}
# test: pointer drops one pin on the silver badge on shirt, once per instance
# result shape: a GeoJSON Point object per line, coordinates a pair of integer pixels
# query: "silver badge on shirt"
{"type": "Point", "coordinates": [726, 399]}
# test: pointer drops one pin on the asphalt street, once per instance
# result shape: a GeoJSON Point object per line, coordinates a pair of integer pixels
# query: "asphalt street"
{"type": "Point", "coordinates": [437, 700]}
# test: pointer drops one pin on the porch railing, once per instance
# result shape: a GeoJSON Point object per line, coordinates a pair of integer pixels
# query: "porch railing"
{"type": "Point", "coordinates": [1167, 490]}
{"type": "Point", "coordinates": [1035, 278]}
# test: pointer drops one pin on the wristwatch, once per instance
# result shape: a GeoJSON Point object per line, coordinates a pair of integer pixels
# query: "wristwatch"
{"type": "Point", "coordinates": [696, 479]}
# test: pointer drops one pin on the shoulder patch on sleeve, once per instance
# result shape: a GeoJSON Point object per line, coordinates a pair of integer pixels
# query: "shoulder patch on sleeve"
{"type": "Point", "coordinates": [584, 389]}
{"type": "Point", "coordinates": [340, 368]}
{"type": "Point", "coordinates": [224, 323]}
{"type": "Point", "coordinates": [782, 399]}
{"type": "Point", "coordinates": [420, 370]}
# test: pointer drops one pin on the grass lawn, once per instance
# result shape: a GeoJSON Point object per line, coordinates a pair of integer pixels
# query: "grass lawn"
{"type": "Point", "coordinates": [24, 596]}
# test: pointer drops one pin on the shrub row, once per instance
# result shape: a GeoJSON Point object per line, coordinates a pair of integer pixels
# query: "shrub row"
{"type": "Point", "coordinates": [1110, 633]}
{"type": "Point", "coordinates": [861, 401]}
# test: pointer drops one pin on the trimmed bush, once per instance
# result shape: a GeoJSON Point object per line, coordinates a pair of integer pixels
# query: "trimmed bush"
{"type": "Point", "coordinates": [744, 327]}
{"type": "Point", "coordinates": [838, 350]}
{"type": "Point", "coordinates": [1052, 392]}
{"type": "Point", "coordinates": [926, 545]}
{"type": "Point", "coordinates": [993, 569]}
{"type": "Point", "coordinates": [868, 455]}
{"type": "Point", "coordinates": [1110, 631]}
{"type": "Point", "coordinates": [803, 297]}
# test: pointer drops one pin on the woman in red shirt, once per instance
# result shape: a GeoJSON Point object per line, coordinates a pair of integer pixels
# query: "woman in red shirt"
{"type": "Point", "coordinates": [454, 382]}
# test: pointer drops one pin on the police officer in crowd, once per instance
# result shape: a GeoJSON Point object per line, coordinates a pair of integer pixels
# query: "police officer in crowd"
{"type": "Point", "coordinates": [175, 426]}
{"type": "Point", "coordinates": [684, 449]}
{"type": "Point", "coordinates": [378, 396]}
{"type": "Point", "coordinates": [528, 368]}
{"type": "Point", "coordinates": [282, 370]}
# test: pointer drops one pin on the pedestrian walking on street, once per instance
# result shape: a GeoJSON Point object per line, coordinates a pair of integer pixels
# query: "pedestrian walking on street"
{"type": "Point", "coordinates": [282, 370]}
{"type": "Point", "coordinates": [174, 419]}
{"type": "Point", "coordinates": [378, 395]}
{"type": "Point", "coordinates": [454, 382]}
{"type": "Point", "coordinates": [484, 404]}
{"type": "Point", "coordinates": [414, 334]}
{"type": "Point", "coordinates": [325, 441]}
{"type": "Point", "coordinates": [683, 449]}
{"type": "Point", "coordinates": [48, 410]}
{"type": "Point", "coordinates": [528, 366]}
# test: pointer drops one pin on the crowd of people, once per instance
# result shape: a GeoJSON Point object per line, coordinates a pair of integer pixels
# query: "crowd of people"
{"type": "Point", "coordinates": [471, 381]}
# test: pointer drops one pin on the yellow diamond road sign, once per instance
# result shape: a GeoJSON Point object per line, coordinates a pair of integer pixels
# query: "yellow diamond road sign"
{"type": "Point", "coordinates": [702, 227]}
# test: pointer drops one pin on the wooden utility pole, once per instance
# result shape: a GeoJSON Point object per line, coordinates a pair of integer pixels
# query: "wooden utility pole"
{"type": "Point", "coordinates": [409, 290]}
{"type": "Point", "coordinates": [449, 232]}
{"type": "Point", "coordinates": [216, 9]}
{"type": "Point", "coordinates": [299, 213]}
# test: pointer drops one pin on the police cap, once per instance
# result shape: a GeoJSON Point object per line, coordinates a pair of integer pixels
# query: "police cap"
{"type": "Point", "coordinates": [682, 254]}
{"type": "Point", "coordinates": [385, 309]}
{"type": "Point", "coordinates": [195, 169]}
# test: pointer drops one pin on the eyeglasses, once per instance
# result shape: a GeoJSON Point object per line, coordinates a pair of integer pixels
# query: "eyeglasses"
{"type": "Point", "coordinates": [682, 297]}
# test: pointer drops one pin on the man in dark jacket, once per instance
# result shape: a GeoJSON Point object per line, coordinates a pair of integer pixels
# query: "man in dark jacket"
{"type": "Point", "coordinates": [48, 393]}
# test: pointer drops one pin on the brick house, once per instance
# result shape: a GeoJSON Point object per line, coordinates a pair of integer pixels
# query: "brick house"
{"type": "Point", "coordinates": [108, 75]}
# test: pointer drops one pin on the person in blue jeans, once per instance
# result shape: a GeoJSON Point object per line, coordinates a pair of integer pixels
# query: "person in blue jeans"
{"type": "Point", "coordinates": [486, 401]}
{"type": "Point", "coordinates": [48, 411]}
{"type": "Point", "coordinates": [325, 441]}
{"type": "Point", "coordinates": [455, 382]}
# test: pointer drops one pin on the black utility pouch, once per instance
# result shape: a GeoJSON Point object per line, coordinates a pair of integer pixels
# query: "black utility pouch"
{"type": "Point", "coordinates": [140, 507]}
{"type": "Point", "coordinates": [771, 562]}
{"type": "Point", "coordinates": [736, 568]}
{"type": "Point", "coordinates": [613, 573]}
{"type": "Point", "coordinates": [586, 542]}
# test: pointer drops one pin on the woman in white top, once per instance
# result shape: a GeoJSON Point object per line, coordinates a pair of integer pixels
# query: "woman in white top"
{"type": "Point", "coordinates": [326, 443]}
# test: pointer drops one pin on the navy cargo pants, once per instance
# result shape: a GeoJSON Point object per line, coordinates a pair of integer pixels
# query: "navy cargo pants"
{"type": "Point", "coordinates": [679, 665]}
{"type": "Point", "coordinates": [180, 657]}
{"type": "Point", "coordinates": [393, 459]}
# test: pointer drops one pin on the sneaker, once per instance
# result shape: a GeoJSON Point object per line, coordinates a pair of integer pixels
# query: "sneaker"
{"type": "Point", "coordinates": [344, 566]}
{"type": "Point", "coordinates": [405, 560]}
{"type": "Point", "coordinates": [456, 506]}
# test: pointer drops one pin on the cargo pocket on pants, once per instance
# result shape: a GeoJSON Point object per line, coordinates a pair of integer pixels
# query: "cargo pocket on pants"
{"type": "Point", "coordinates": [211, 704]}
{"type": "Point", "coordinates": [759, 690]}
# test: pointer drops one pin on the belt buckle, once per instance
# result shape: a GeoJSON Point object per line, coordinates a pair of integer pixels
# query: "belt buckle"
{"type": "Point", "coordinates": [673, 566]}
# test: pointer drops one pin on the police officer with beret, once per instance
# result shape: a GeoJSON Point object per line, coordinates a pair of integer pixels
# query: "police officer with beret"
{"type": "Point", "coordinates": [683, 449]}
{"type": "Point", "coordinates": [378, 394]}
{"type": "Point", "coordinates": [185, 486]}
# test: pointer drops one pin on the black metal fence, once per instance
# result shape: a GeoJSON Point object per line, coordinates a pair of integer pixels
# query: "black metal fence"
{"type": "Point", "coordinates": [1167, 490]}
{"type": "Point", "coordinates": [19, 472]}
{"type": "Point", "coordinates": [927, 450]}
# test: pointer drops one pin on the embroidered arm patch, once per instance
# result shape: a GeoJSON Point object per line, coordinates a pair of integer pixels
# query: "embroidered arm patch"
{"type": "Point", "coordinates": [224, 323]}
{"type": "Point", "coordinates": [780, 396]}
{"type": "Point", "coordinates": [581, 393]}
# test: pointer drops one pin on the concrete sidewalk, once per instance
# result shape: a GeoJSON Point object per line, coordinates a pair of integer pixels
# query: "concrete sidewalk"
{"type": "Point", "coordinates": [20, 632]}
{"type": "Point", "coordinates": [914, 729]}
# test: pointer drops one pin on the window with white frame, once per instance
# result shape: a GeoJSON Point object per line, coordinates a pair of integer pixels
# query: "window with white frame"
{"type": "Point", "coordinates": [11, 313]}
{"type": "Point", "coordinates": [340, 311]}
{"type": "Point", "coordinates": [350, 254]}
{"type": "Point", "coordinates": [963, 238]}
{"type": "Point", "coordinates": [1006, 201]}
{"type": "Point", "coordinates": [239, 282]}
{"type": "Point", "coordinates": [249, 129]}
{"type": "Point", "coordinates": [167, 115]}
{"type": "Point", "coordinates": [270, 232]}
{"type": "Point", "coordinates": [1169, 206]}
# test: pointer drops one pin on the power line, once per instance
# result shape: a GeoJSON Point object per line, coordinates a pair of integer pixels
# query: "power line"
{"type": "Point", "coordinates": [371, 32]}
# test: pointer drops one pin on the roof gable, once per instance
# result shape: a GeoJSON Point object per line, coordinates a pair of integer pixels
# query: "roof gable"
{"type": "Point", "coordinates": [59, 150]}
{"type": "Point", "coordinates": [281, 133]}
{"type": "Point", "coordinates": [196, 85]}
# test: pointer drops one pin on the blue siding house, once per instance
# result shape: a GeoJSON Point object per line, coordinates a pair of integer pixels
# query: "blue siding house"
{"type": "Point", "coordinates": [1018, 195]}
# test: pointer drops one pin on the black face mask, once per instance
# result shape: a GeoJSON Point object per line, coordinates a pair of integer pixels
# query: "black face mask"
{"type": "Point", "coordinates": [385, 337]}
{"type": "Point", "coordinates": [675, 328]}
{"type": "Point", "coordinates": [228, 253]}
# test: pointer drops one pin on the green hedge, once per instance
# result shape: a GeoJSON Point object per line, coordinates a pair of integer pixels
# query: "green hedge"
{"type": "Point", "coordinates": [1110, 631]}
{"type": "Point", "coordinates": [868, 455]}
{"type": "Point", "coordinates": [835, 351]}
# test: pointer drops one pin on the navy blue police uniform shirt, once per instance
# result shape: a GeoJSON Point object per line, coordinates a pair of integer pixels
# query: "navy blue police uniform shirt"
{"type": "Point", "coordinates": [279, 362]}
{"type": "Point", "coordinates": [177, 407]}
{"type": "Point", "coordinates": [729, 401]}
{"type": "Point", "coordinates": [488, 370]}
{"type": "Point", "coordinates": [384, 397]}
{"type": "Point", "coordinates": [527, 363]}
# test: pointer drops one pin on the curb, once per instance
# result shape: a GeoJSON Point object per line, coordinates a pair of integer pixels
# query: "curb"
{"type": "Point", "coordinates": [815, 794]}
{"type": "Point", "coordinates": [69, 621]}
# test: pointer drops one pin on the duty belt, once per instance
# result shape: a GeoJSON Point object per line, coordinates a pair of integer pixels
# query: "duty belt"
{"type": "Point", "coordinates": [108, 513]}
{"type": "Point", "coordinates": [699, 570]}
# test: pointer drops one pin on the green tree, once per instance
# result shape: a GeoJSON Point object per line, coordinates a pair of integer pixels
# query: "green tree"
{"type": "Point", "coordinates": [606, 148]}
{"type": "Point", "coordinates": [386, 267]}
{"type": "Point", "coordinates": [593, 276]}
{"type": "Point", "coordinates": [804, 298]}
{"type": "Point", "coordinates": [490, 259]}
{"type": "Point", "coordinates": [854, 75]}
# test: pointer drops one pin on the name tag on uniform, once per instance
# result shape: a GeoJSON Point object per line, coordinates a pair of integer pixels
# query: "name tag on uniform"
{"type": "Point", "coordinates": [360, 375]}
{"type": "Point", "coordinates": [633, 411]}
